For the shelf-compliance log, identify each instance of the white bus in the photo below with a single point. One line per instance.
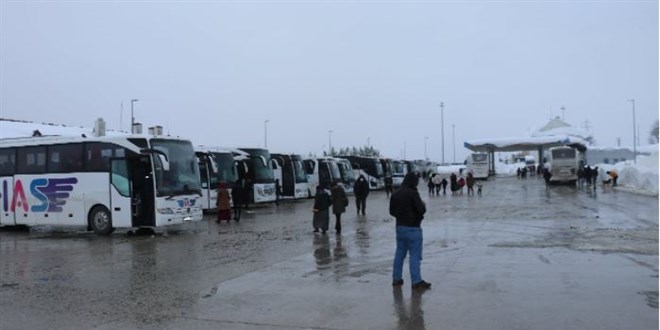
(288, 169)
(321, 172)
(347, 174)
(102, 183)
(477, 163)
(370, 167)
(563, 163)
(216, 165)
(399, 170)
(259, 176)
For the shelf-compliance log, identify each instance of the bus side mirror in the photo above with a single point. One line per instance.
(162, 157)
(163, 160)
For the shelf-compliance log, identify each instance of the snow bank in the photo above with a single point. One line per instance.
(639, 178)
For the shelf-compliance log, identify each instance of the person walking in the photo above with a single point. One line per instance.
(437, 180)
(322, 202)
(339, 203)
(222, 202)
(546, 176)
(389, 184)
(469, 181)
(453, 184)
(408, 208)
(361, 191)
(237, 198)
(444, 186)
(278, 191)
(431, 185)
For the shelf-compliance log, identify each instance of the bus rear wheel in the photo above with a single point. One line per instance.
(100, 220)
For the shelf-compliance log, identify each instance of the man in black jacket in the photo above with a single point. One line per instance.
(408, 208)
(361, 191)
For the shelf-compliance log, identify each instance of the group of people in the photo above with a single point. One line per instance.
(239, 198)
(435, 183)
(337, 199)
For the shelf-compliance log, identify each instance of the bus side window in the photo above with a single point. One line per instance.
(7, 162)
(31, 160)
(120, 177)
(65, 158)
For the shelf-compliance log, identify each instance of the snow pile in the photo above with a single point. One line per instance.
(503, 169)
(639, 178)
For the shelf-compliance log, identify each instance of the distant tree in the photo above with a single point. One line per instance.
(653, 138)
(365, 151)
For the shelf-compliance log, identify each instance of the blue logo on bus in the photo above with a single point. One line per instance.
(186, 202)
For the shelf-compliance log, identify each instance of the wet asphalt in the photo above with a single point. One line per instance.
(520, 256)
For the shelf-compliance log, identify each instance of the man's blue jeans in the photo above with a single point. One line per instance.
(408, 241)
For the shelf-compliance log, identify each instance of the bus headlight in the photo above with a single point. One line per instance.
(165, 210)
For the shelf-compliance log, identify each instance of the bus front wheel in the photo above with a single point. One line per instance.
(100, 220)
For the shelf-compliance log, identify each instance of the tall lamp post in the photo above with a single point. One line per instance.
(442, 129)
(425, 156)
(330, 143)
(453, 140)
(266, 133)
(634, 131)
(132, 117)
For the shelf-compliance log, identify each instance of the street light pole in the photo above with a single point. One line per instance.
(425, 156)
(453, 140)
(442, 126)
(634, 131)
(330, 143)
(266, 133)
(132, 116)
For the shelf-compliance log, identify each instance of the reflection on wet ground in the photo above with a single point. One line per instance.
(488, 255)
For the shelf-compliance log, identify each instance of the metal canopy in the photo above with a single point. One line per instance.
(538, 143)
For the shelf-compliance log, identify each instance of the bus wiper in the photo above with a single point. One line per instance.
(170, 197)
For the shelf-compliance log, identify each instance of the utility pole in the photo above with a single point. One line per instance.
(266, 133)
(330, 143)
(442, 129)
(426, 157)
(453, 140)
(634, 130)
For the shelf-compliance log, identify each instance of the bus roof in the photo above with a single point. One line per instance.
(56, 139)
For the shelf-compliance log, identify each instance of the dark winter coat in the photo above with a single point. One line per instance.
(322, 201)
(361, 187)
(339, 200)
(237, 194)
(406, 205)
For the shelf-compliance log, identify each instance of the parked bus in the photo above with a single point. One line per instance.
(347, 174)
(321, 172)
(563, 163)
(530, 164)
(259, 176)
(288, 169)
(399, 170)
(370, 167)
(477, 163)
(102, 183)
(216, 165)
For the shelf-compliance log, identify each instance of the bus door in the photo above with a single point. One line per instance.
(120, 193)
(143, 198)
(7, 216)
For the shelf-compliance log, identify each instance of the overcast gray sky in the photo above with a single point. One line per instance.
(214, 71)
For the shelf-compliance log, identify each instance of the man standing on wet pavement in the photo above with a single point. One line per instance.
(408, 208)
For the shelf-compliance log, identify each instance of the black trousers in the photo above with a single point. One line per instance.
(338, 222)
(361, 203)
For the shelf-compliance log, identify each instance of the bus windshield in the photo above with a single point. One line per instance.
(183, 175)
(225, 166)
(398, 168)
(346, 172)
(299, 172)
(563, 153)
(334, 171)
(376, 168)
(479, 158)
(262, 173)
